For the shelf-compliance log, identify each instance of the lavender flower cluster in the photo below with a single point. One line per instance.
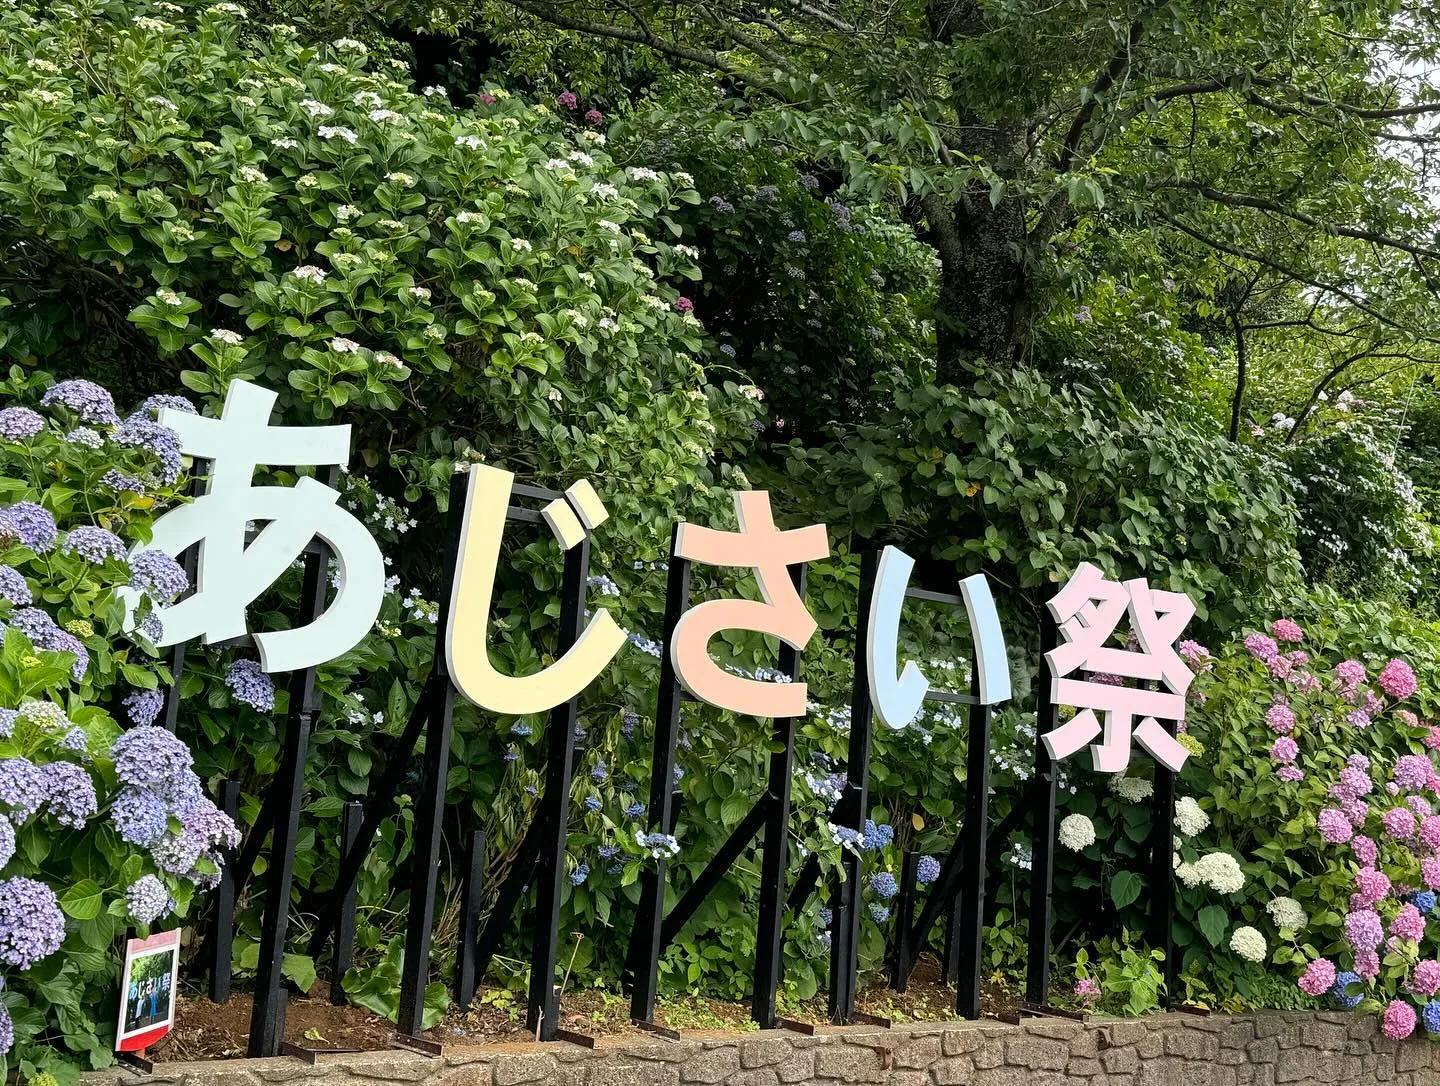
(31, 924)
(45, 635)
(250, 685)
(158, 783)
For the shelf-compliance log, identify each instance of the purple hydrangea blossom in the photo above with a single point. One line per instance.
(40, 628)
(7, 1030)
(927, 870)
(31, 524)
(87, 399)
(31, 924)
(143, 706)
(96, 545)
(121, 483)
(150, 628)
(153, 404)
(71, 792)
(139, 816)
(7, 722)
(157, 574)
(75, 741)
(7, 842)
(176, 853)
(250, 685)
(150, 757)
(19, 423)
(140, 431)
(22, 788)
(212, 826)
(85, 437)
(13, 587)
(148, 900)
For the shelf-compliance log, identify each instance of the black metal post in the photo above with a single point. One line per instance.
(430, 803)
(522, 870)
(222, 926)
(1162, 878)
(190, 562)
(950, 964)
(465, 978)
(377, 806)
(1042, 838)
(769, 936)
(850, 813)
(903, 952)
(543, 1013)
(267, 1018)
(351, 818)
(645, 941)
(970, 935)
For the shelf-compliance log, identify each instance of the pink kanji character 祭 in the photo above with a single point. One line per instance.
(760, 545)
(1087, 610)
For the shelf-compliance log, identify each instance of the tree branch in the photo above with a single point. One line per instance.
(1119, 63)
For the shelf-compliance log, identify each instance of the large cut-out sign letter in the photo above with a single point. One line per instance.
(1088, 609)
(466, 640)
(760, 545)
(897, 700)
(232, 574)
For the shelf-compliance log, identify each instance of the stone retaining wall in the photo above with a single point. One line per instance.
(1164, 1050)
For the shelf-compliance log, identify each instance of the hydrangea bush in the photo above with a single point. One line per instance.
(100, 828)
(1317, 771)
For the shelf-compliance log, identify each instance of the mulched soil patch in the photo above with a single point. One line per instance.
(208, 1031)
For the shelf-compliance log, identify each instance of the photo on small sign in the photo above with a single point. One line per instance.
(147, 989)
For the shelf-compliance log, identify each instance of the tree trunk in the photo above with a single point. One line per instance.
(983, 305)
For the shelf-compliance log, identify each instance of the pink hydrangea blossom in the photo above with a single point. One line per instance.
(1194, 653)
(593, 116)
(1304, 682)
(1412, 771)
(1353, 783)
(1356, 810)
(1432, 738)
(1430, 872)
(567, 99)
(488, 99)
(684, 305)
(1335, 828)
(1087, 989)
(1371, 703)
(1407, 718)
(1290, 773)
(1358, 718)
(1261, 647)
(1363, 930)
(1280, 718)
(1399, 823)
(1349, 674)
(1366, 850)
(1367, 963)
(1284, 749)
(1372, 886)
(1287, 629)
(1397, 679)
(1279, 667)
(1298, 657)
(1430, 832)
(1426, 978)
(1318, 978)
(1420, 805)
(1409, 924)
(1399, 1020)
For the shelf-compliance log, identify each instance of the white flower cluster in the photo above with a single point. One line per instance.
(1189, 818)
(1287, 913)
(1132, 789)
(1248, 943)
(1218, 870)
(1077, 832)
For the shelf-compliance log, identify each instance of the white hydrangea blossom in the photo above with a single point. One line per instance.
(1077, 832)
(1219, 871)
(1248, 943)
(1189, 818)
(1287, 913)
(1132, 789)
